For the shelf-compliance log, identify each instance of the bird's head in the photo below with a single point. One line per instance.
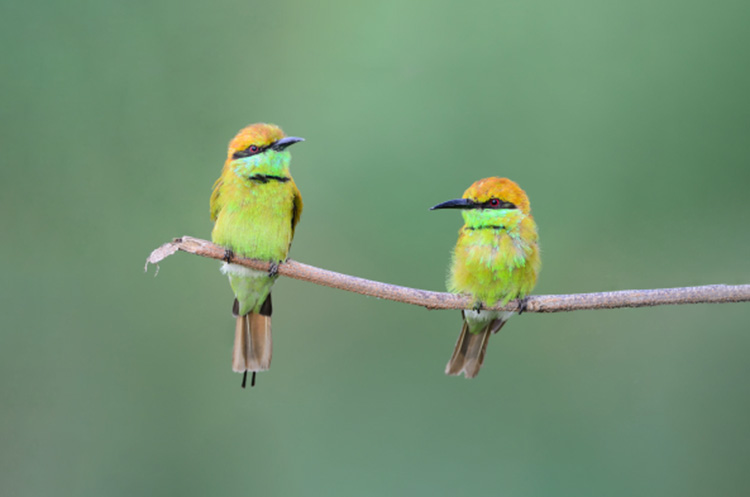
(491, 202)
(260, 151)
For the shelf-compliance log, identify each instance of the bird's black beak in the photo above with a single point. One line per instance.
(459, 203)
(280, 145)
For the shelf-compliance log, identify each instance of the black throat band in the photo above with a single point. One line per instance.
(492, 227)
(265, 178)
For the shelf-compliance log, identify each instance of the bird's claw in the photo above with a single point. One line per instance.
(522, 305)
(477, 307)
(273, 269)
(228, 255)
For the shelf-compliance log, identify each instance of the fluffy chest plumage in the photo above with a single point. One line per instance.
(491, 249)
(256, 219)
(493, 264)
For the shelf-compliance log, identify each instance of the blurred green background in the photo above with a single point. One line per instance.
(626, 122)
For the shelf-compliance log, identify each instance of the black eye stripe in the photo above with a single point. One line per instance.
(247, 152)
(501, 204)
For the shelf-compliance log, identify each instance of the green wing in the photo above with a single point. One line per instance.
(216, 200)
(296, 207)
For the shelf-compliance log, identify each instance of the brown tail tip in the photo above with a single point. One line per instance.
(468, 355)
(252, 343)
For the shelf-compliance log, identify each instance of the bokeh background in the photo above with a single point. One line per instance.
(626, 122)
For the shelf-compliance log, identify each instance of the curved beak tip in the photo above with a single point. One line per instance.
(285, 142)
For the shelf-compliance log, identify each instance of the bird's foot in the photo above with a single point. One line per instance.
(228, 255)
(273, 269)
(522, 305)
(477, 306)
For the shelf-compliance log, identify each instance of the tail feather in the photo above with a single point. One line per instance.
(468, 355)
(259, 347)
(241, 337)
(252, 341)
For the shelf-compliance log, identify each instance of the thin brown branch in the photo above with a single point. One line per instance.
(440, 300)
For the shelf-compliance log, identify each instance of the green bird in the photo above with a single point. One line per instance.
(496, 259)
(255, 206)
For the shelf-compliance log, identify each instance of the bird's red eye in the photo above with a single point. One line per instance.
(494, 202)
(247, 151)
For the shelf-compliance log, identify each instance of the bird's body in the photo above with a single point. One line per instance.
(496, 259)
(255, 206)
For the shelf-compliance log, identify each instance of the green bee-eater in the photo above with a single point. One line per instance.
(496, 259)
(255, 206)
